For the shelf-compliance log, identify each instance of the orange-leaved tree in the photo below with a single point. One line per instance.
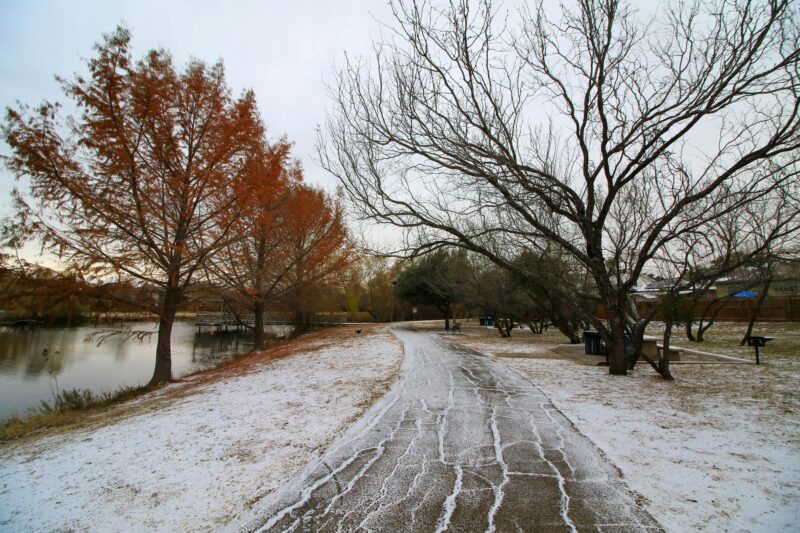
(134, 183)
(318, 250)
(289, 239)
(251, 268)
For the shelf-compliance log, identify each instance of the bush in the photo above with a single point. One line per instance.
(76, 399)
(68, 407)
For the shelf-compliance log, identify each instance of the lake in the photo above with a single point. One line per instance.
(34, 362)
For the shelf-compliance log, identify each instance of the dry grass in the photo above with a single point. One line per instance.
(147, 399)
(68, 416)
(472, 331)
(771, 384)
(724, 337)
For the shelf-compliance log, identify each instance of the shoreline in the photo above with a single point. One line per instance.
(203, 449)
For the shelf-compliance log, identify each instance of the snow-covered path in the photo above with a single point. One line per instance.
(461, 443)
(196, 458)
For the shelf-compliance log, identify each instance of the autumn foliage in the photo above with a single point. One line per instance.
(290, 242)
(161, 170)
(318, 252)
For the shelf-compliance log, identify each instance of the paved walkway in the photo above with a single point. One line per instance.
(460, 443)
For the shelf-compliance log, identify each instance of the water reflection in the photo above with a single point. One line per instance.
(210, 349)
(32, 359)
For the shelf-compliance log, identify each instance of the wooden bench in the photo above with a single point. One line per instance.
(674, 353)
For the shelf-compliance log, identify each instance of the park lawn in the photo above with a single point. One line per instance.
(724, 338)
(715, 450)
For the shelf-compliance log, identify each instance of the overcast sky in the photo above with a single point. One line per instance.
(285, 50)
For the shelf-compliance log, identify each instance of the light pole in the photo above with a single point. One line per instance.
(394, 307)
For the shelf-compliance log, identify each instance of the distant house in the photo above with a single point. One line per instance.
(778, 287)
(782, 304)
(650, 288)
(785, 283)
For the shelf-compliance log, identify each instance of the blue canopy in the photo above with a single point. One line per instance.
(745, 294)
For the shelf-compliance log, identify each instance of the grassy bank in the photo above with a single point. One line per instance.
(75, 407)
(205, 449)
(70, 408)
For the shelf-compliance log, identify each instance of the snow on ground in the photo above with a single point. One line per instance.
(507, 348)
(201, 460)
(716, 450)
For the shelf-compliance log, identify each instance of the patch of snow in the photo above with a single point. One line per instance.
(495, 348)
(203, 459)
(716, 450)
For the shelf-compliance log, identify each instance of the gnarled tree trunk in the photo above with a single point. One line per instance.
(169, 307)
(615, 341)
(663, 362)
(258, 326)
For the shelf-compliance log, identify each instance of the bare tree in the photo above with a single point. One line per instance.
(592, 133)
(740, 240)
(554, 298)
(371, 284)
(768, 276)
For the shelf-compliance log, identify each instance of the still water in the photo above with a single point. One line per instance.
(33, 362)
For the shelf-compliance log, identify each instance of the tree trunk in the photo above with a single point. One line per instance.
(447, 317)
(566, 323)
(536, 328)
(300, 323)
(754, 314)
(569, 331)
(614, 333)
(701, 330)
(710, 313)
(617, 359)
(258, 326)
(637, 340)
(539, 327)
(504, 326)
(689, 335)
(163, 369)
(663, 362)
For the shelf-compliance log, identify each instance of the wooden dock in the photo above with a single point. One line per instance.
(225, 321)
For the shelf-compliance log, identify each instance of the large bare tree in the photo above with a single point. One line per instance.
(585, 130)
